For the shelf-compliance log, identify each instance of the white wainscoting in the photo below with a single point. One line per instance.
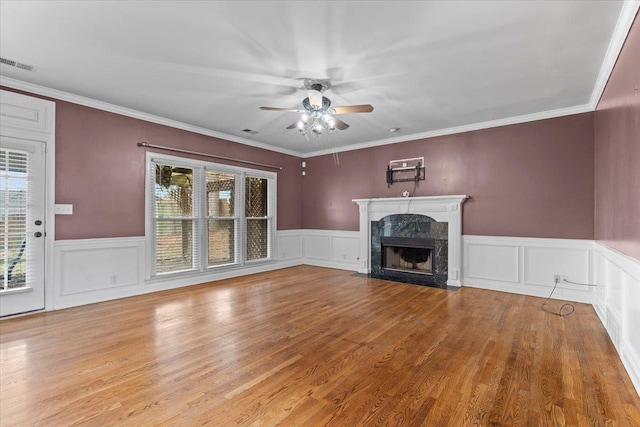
(93, 270)
(527, 266)
(617, 302)
(290, 245)
(332, 248)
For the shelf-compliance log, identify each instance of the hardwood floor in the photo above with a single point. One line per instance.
(309, 346)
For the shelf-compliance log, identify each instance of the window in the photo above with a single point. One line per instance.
(175, 223)
(257, 217)
(222, 222)
(205, 216)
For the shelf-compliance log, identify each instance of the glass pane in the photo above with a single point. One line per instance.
(174, 245)
(174, 191)
(221, 194)
(221, 241)
(255, 197)
(257, 238)
(14, 187)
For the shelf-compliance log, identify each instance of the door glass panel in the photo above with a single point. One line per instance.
(15, 186)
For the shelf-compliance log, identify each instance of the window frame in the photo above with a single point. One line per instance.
(201, 218)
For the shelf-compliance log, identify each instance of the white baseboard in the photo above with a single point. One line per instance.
(617, 302)
(527, 266)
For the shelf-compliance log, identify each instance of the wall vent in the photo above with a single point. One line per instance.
(251, 131)
(16, 64)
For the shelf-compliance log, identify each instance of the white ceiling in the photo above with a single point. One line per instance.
(425, 66)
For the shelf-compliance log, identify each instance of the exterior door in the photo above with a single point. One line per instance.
(22, 232)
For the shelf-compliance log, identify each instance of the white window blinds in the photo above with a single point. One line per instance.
(175, 221)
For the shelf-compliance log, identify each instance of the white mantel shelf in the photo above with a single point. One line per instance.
(440, 208)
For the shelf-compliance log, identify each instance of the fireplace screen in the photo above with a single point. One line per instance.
(408, 254)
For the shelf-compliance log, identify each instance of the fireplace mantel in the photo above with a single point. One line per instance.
(440, 208)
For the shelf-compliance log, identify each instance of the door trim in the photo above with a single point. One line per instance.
(28, 117)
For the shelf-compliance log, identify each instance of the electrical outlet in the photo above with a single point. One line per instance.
(557, 278)
(114, 279)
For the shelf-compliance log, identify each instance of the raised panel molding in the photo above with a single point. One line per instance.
(317, 246)
(332, 248)
(617, 303)
(290, 244)
(570, 262)
(91, 270)
(492, 262)
(345, 248)
(527, 266)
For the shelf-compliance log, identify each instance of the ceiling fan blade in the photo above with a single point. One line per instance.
(340, 124)
(291, 110)
(293, 125)
(366, 108)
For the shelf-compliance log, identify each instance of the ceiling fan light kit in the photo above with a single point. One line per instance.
(317, 113)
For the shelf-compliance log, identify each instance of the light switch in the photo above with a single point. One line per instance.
(61, 209)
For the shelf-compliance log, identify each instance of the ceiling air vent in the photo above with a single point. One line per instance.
(16, 64)
(251, 131)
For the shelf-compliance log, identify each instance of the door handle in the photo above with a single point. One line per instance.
(37, 234)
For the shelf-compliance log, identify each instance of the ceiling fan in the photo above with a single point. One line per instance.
(318, 114)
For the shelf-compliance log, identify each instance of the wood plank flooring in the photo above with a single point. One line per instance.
(309, 346)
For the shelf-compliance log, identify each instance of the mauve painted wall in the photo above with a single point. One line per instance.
(528, 180)
(617, 152)
(100, 170)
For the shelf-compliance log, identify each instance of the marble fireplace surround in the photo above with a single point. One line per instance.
(440, 208)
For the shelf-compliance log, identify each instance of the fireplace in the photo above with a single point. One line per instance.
(410, 248)
(432, 223)
(407, 254)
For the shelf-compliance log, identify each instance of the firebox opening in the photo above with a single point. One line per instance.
(408, 255)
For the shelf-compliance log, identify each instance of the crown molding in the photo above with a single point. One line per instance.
(578, 109)
(112, 108)
(620, 32)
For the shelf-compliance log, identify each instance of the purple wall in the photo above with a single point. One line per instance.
(100, 170)
(617, 153)
(528, 180)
